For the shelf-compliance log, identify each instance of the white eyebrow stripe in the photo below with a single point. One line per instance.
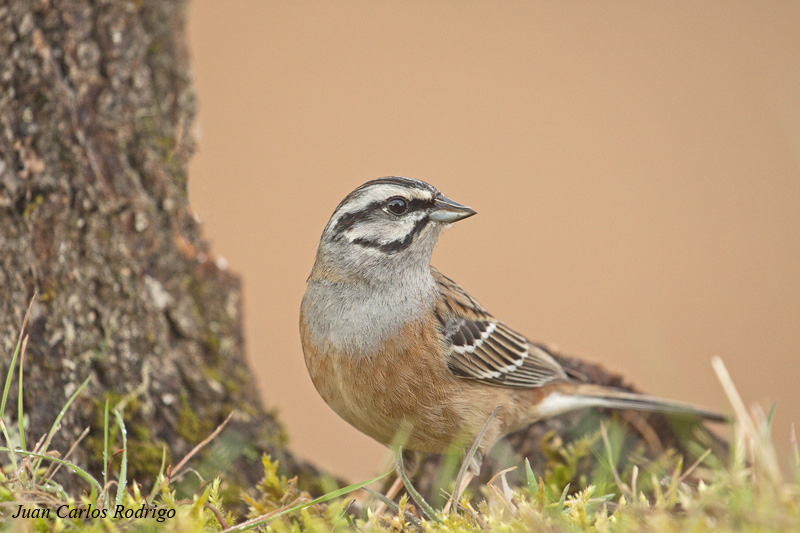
(379, 193)
(369, 197)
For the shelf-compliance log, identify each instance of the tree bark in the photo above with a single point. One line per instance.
(95, 119)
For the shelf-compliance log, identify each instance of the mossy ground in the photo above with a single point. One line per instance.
(658, 495)
(592, 483)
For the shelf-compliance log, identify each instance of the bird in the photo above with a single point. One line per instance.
(394, 346)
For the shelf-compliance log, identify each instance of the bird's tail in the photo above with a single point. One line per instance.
(577, 396)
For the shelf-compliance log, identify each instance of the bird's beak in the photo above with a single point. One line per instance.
(446, 210)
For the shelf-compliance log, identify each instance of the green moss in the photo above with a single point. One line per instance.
(33, 206)
(5, 494)
(212, 342)
(154, 48)
(231, 386)
(272, 490)
(145, 451)
(196, 291)
(145, 458)
(189, 425)
(211, 373)
(48, 291)
(166, 144)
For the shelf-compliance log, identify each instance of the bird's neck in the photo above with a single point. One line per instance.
(356, 315)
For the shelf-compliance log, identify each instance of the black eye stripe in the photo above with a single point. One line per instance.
(398, 245)
(348, 220)
(419, 203)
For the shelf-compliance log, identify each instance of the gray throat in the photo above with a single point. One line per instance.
(356, 318)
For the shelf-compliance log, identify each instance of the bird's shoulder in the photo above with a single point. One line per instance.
(481, 347)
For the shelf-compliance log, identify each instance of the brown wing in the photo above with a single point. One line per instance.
(481, 347)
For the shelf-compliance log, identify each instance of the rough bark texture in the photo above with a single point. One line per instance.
(95, 113)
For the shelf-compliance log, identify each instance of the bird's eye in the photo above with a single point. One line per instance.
(397, 205)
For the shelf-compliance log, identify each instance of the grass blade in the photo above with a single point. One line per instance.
(384, 500)
(20, 410)
(105, 454)
(14, 359)
(78, 470)
(123, 469)
(533, 485)
(9, 377)
(11, 368)
(394, 507)
(769, 415)
(612, 463)
(51, 472)
(261, 520)
(415, 495)
(57, 422)
(758, 444)
(468, 458)
(563, 499)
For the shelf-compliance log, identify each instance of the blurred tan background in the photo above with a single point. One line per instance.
(635, 168)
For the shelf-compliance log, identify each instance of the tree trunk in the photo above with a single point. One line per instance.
(95, 119)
